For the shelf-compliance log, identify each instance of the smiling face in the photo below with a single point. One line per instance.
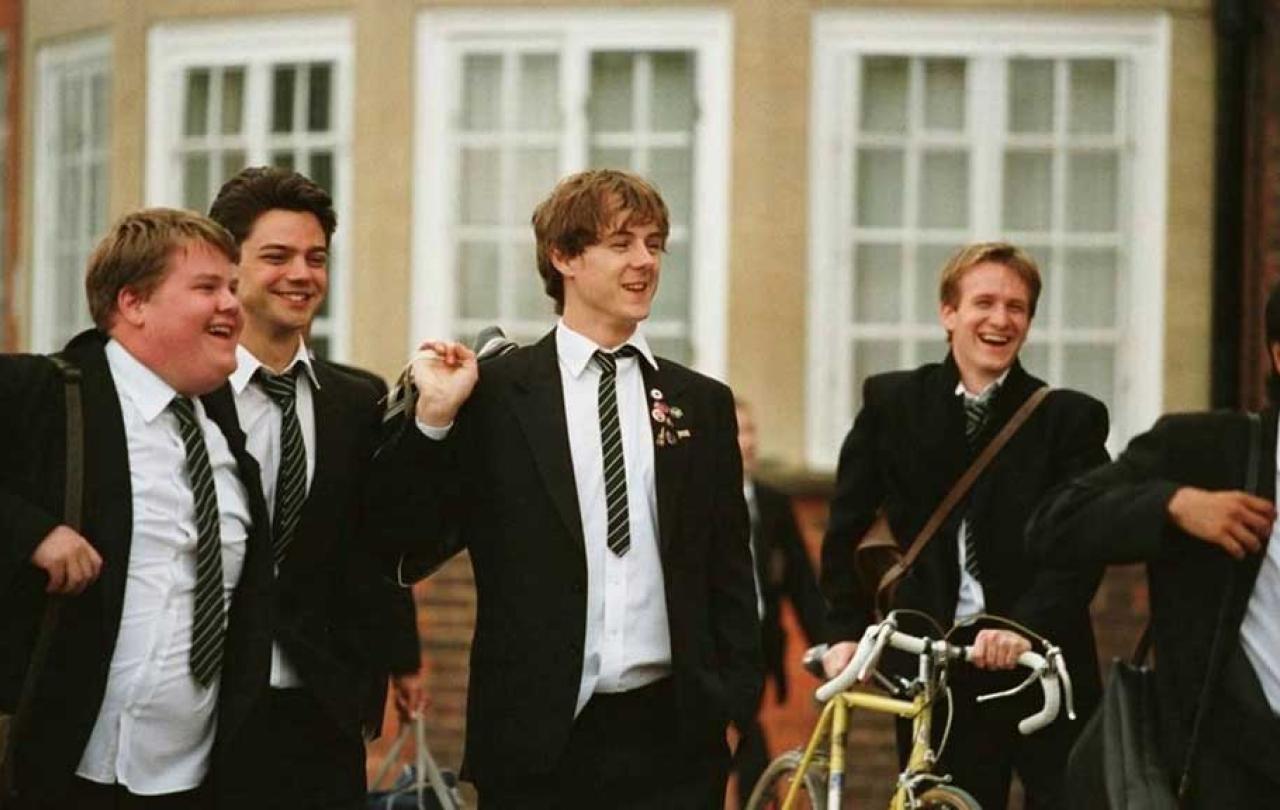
(609, 287)
(186, 329)
(988, 324)
(283, 274)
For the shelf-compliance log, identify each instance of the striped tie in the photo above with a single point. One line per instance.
(615, 467)
(208, 623)
(976, 411)
(291, 478)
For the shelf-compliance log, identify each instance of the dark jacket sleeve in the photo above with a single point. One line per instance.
(798, 581)
(26, 382)
(736, 622)
(1078, 444)
(1117, 513)
(858, 494)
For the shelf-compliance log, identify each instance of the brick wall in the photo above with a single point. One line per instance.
(446, 612)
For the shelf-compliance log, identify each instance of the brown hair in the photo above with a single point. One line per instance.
(580, 211)
(135, 254)
(258, 189)
(1002, 253)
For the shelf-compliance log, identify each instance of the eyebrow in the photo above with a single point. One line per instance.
(291, 248)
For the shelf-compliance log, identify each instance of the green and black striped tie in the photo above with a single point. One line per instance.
(291, 477)
(615, 466)
(208, 622)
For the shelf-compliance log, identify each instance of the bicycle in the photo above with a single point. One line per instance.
(814, 777)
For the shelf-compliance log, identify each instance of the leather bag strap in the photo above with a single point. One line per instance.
(961, 487)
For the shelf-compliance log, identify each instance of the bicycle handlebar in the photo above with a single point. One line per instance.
(878, 636)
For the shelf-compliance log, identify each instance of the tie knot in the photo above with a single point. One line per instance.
(608, 361)
(976, 410)
(282, 388)
(185, 410)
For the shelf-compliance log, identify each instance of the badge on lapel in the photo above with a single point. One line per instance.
(667, 419)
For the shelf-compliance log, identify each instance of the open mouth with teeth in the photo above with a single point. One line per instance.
(636, 286)
(995, 340)
(222, 330)
(296, 297)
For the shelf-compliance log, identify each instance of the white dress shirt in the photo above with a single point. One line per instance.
(155, 729)
(261, 419)
(628, 640)
(1260, 630)
(972, 600)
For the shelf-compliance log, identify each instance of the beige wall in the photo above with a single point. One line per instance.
(769, 189)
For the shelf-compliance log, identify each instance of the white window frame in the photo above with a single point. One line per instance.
(50, 61)
(574, 35)
(256, 43)
(1141, 40)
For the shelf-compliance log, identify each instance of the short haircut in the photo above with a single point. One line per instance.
(135, 254)
(258, 189)
(1002, 253)
(580, 211)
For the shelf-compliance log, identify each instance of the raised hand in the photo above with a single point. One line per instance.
(1235, 521)
(71, 563)
(838, 657)
(445, 374)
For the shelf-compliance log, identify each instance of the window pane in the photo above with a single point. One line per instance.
(1028, 188)
(1090, 281)
(99, 94)
(319, 98)
(98, 191)
(877, 283)
(932, 351)
(1093, 96)
(674, 295)
(671, 170)
(481, 91)
(1030, 95)
(930, 259)
(539, 92)
(320, 345)
(536, 173)
(532, 301)
(944, 190)
(232, 100)
(871, 357)
(232, 161)
(322, 170)
(283, 79)
(480, 186)
(1090, 369)
(1093, 180)
(69, 188)
(1035, 359)
(195, 182)
(673, 108)
(678, 349)
(610, 158)
(197, 106)
(478, 280)
(884, 93)
(944, 96)
(283, 159)
(610, 106)
(879, 192)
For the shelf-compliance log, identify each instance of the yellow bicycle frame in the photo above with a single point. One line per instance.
(836, 717)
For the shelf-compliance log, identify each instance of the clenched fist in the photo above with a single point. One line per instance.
(71, 563)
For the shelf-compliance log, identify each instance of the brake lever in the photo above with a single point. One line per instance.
(1030, 679)
(1054, 656)
(882, 639)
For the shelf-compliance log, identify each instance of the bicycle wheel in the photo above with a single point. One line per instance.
(946, 797)
(776, 780)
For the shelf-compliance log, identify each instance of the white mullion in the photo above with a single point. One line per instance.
(301, 92)
(845, 70)
(508, 93)
(1058, 220)
(84, 156)
(913, 167)
(986, 122)
(575, 88)
(641, 90)
(257, 119)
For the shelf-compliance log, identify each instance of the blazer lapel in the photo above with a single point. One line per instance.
(670, 461)
(109, 496)
(538, 400)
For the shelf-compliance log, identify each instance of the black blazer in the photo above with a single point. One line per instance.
(502, 486)
(1119, 514)
(906, 449)
(32, 431)
(340, 622)
(783, 570)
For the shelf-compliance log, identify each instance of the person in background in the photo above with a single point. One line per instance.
(914, 437)
(782, 570)
(336, 626)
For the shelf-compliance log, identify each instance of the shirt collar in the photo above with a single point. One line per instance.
(997, 382)
(575, 349)
(149, 393)
(247, 365)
